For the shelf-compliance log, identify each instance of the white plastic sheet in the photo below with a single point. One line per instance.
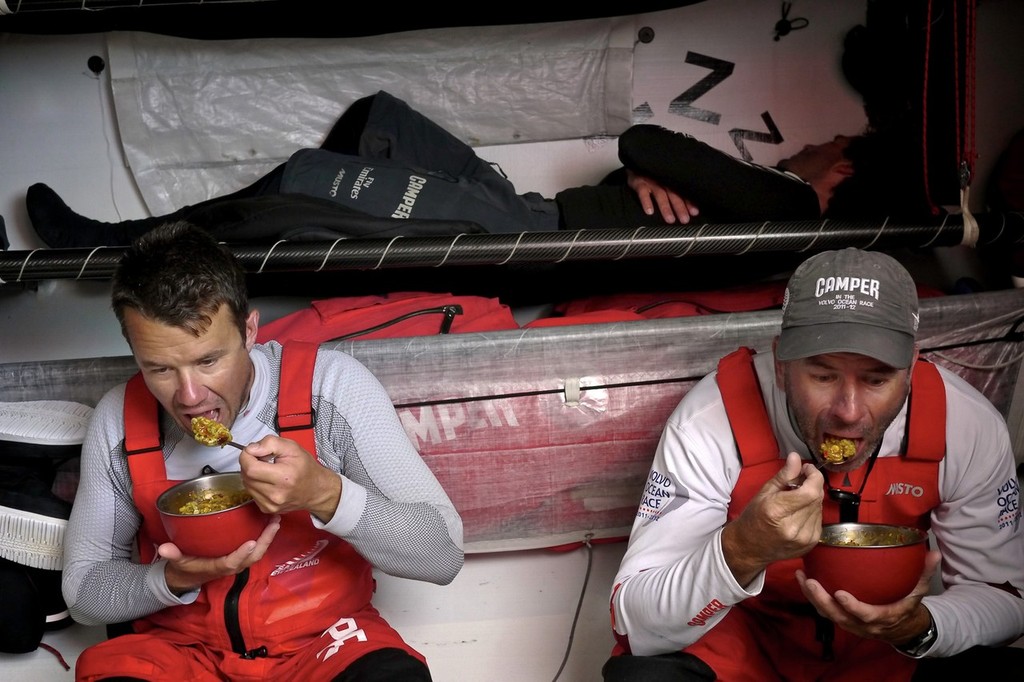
(202, 118)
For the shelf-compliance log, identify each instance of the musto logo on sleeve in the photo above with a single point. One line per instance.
(661, 494)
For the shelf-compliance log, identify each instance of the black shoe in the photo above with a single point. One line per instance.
(32, 605)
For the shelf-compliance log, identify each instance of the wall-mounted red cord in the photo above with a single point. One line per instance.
(966, 143)
(964, 99)
(924, 107)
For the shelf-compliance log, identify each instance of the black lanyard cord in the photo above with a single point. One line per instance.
(849, 502)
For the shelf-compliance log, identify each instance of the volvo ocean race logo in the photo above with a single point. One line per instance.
(662, 494)
(1008, 497)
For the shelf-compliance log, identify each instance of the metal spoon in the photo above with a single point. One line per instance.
(269, 459)
(797, 482)
(201, 428)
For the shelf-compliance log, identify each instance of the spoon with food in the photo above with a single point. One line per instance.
(834, 451)
(212, 433)
(837, 450)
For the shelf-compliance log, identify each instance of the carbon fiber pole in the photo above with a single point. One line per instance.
(690, 241)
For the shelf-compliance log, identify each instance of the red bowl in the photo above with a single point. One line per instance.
(876, 563)
(214, 533)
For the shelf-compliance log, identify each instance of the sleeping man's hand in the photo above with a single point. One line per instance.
(671, 206)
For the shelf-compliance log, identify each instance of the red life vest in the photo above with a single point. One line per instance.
(901, 490)
(308, 578)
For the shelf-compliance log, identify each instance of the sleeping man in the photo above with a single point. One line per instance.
(386, 170)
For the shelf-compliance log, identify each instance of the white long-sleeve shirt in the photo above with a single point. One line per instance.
(674, 565)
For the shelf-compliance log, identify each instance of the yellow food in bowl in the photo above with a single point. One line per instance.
(869, 536)
(207, 501)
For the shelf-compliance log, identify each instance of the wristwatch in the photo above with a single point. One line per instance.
(920, 645)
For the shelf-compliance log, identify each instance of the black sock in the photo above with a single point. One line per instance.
(60, 227)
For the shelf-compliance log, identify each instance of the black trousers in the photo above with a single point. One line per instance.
(683, 667)
(382, 665)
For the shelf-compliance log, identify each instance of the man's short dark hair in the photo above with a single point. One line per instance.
(179, 275)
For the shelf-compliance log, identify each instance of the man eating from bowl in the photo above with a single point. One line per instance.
(712, 583)
(327, 457)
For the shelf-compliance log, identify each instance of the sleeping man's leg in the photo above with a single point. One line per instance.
(60, 227)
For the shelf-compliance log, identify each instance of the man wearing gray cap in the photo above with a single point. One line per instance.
(842, 422)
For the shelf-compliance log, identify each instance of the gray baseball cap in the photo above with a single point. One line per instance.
(850, 301)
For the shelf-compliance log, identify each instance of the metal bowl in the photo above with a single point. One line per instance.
(876, 563)
(213, 533)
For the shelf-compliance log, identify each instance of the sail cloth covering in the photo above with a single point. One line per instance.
(544, 436)
(191, 131)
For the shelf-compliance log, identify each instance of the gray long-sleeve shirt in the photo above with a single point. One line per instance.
(392, 510)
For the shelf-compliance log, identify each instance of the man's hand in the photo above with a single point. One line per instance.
(186, 573)
(282, 477)
(781, 522)
(895, 623)
(650, 193)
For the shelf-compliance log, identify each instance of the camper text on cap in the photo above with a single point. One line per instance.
(850, 301)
